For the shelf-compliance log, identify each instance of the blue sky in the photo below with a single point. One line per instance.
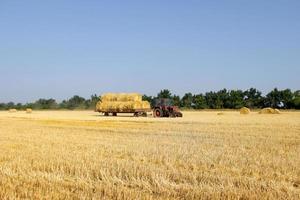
(60, 48)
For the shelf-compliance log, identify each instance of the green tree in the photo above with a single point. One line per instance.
(45, 104)
(76, 102)
(176, 100)
(286, 98)
(199, 101)
(296, 100)
(164, 94)
(253, 98)
(235, 99)
(273, 99)
(187, 100)
(91, 103)
(212, 100)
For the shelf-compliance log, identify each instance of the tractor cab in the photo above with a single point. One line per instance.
(165, 108)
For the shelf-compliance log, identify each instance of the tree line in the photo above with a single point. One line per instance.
(223, 99)
(233, 99)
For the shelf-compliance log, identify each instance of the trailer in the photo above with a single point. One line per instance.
(112, 104)
(136, 112)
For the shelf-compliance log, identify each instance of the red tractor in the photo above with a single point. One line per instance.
(165, 108)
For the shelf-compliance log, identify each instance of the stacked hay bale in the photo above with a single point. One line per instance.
(28, 110)
(245, 111)
(122, 102)
(269, 111)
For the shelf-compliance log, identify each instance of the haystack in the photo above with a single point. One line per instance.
(245, 111)
(121, 97)
(12, 110)
(28, 110)
(220, 113)
(276, 111)
(269, 111)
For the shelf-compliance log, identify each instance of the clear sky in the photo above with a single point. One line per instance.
(59, 48)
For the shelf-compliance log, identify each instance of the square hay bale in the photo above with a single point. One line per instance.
(28, 110)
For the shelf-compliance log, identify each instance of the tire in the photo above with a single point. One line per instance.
(179, 114)
(106, 114)
(157, 112)
(114, 114)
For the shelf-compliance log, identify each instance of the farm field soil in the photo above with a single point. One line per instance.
(82, 155)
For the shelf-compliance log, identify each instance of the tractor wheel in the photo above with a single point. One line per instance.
(114, 114)
(179, 114)
(106, 114)
(157, 113)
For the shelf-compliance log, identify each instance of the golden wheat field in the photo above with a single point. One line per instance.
(81, 155)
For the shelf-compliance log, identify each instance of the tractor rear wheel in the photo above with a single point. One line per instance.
(179, 114)
(157, 112)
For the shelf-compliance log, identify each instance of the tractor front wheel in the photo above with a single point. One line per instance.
(157, 113)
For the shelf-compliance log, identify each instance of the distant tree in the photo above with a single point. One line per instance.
(91, 103)
(279, 99)
(273, 99)
(45, 104)
(235, 99)
(3, 106)
(253, 98)
(199, 101)
(76, 102)
(286, 98)
(176, 100)
(296, 100)
(10, 105)
(187, 100)
(212, 100)
(19, 106)
(63, 105)
(222, 98)
(164, 94)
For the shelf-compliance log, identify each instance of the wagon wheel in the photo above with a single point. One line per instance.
(157, 113)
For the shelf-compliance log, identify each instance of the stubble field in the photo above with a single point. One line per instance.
(81, 155)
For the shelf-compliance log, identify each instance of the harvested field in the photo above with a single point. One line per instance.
(81, 155)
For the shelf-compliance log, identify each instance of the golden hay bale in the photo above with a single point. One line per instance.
(269, 111)
(12, 110)
(276, 111)
(121, 106)
(146, 105)
(245, 111)
(28, 110)
(121, 97)
(220, 113)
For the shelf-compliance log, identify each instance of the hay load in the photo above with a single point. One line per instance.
(121, 97)
(269, 111)
(122, 103)
(245, 111)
